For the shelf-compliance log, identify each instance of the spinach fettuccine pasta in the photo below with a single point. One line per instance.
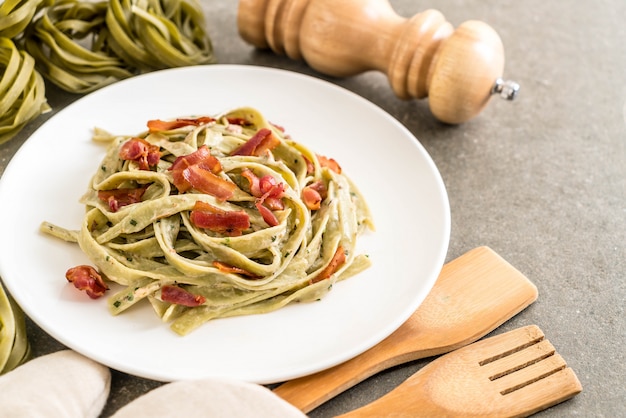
(215, 216)
(81, 46)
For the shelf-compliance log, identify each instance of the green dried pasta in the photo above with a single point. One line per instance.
(15, 15)
(54, 40)
(22, 90)
(153, 34)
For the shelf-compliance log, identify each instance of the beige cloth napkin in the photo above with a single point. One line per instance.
(67, 385)
(209, 398)
(62, 384)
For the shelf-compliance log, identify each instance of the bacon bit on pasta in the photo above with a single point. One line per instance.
(140, 151)
(329, 163)
(239, 121)
(202, 156)
(269, 194)
(255, 182)
(260, 142)
(311, 198)
(198, 170)
(310, 168)
(270, 187)
(338, 259)
(231, 223)
(263, 187)
(267, 214)
(206, 182)
(87, 278)
(157, 125)
(313, 194)
(227, 268)
(180, 296)
(274, 203)
(118, 198)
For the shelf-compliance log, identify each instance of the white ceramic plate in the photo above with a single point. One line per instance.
(401, 183)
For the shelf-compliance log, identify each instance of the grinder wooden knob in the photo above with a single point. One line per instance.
(423, 56)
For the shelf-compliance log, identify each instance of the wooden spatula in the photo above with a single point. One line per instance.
(514, 374)
(473, 295)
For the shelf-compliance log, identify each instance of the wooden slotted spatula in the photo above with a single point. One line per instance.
(473, 295)
(514, 374)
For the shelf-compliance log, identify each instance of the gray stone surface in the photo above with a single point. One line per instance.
(541, 180)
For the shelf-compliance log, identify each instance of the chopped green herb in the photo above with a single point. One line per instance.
(117, 303)
(133, 222)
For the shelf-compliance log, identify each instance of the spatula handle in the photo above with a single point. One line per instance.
(422, 56)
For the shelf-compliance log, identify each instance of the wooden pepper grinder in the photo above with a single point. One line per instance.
(459, 70)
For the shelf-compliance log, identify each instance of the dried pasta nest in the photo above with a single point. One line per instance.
(14, 345)
(70, 44)
(157, 34)
(16, 14)
(82, 46)
(22, 90)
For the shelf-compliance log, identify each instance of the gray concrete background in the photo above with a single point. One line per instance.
(541, 180)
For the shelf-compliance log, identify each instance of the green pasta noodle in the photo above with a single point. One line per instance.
(155, 34)
(301, 220)
(22, 90)
(70, 44)
(82, 46)
(15, 15)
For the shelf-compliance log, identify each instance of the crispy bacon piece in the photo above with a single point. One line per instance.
(157, 125)
(269, 195)
(329, 163)
(324, 162)
(206, 182)
(198, 171)
(267, 214)
(311, 198)
(141, 151)
(180, 296)
(202, 157)
(313, 194)
(271, 199)
(255, 182)
(266, 186)
(88, 279)
(231, 223)
(310, 168)
(227, 268)
(239, 121)
(260, 142)
(338, 259)
(274, 203)
(270, 187)
(118, 198)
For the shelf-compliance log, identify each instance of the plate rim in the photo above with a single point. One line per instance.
(437, 265)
